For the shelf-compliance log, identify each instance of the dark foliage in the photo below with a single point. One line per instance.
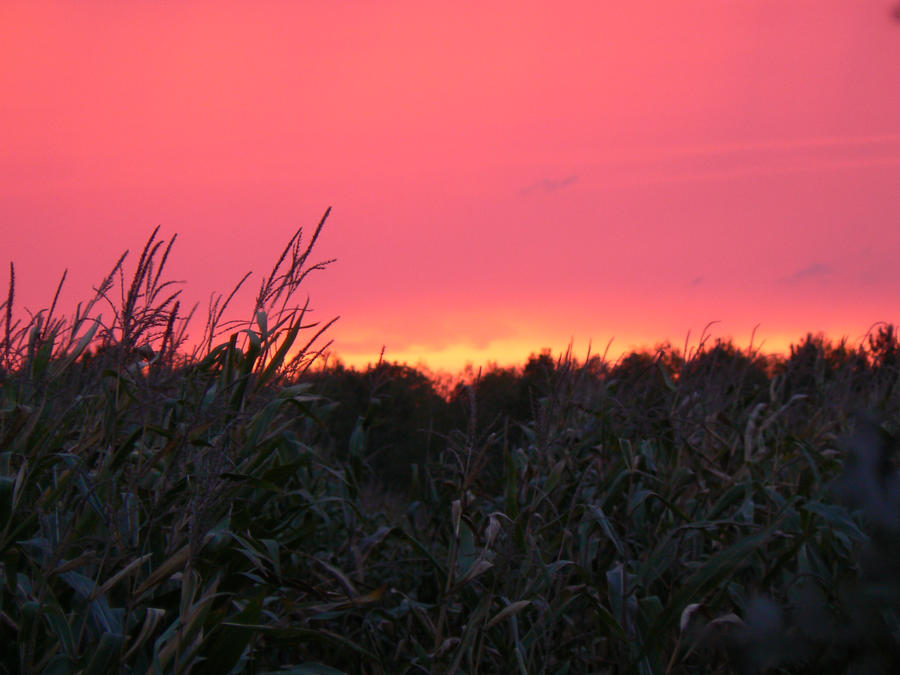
(232, 510)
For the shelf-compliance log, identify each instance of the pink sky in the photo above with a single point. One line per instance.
(505, 176)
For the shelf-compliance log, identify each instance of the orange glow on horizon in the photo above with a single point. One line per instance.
(455, 360)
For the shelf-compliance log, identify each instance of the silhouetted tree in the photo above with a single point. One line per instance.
(397, 409)
(642, 389)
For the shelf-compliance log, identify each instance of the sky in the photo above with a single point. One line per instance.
(503, 176)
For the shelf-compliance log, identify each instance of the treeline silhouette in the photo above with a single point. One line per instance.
(395, 418)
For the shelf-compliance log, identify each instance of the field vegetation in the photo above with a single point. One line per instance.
(228, 508)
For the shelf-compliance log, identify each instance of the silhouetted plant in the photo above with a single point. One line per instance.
(838, 611)
(121, 465)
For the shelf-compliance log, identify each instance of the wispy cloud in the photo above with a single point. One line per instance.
(817, 271)
(550, 185)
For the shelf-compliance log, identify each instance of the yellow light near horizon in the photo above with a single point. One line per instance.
(455, 359)
(452, 358)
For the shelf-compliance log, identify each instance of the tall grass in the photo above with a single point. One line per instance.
(128, 468)
(167, 510)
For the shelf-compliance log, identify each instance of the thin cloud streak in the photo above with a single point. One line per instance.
(725, 174)
(816, 271)
(755, 146)
(550, 185)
